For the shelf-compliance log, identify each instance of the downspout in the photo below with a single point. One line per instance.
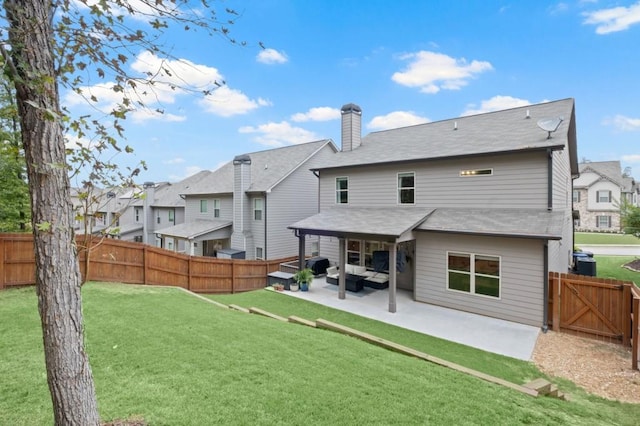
(545, 297)
(549, 179)
(264, 254)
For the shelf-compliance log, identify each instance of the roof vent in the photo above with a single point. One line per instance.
(528, 115)
(455, 125)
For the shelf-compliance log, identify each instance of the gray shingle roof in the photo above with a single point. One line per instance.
(494, 132)
(608, 169)
(380, 222)
(392, 222)
(267, 169)
(527, 223)
(169, 194)
(194, 229)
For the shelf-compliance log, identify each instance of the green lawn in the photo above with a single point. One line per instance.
(172, 359)
(604, 238)
(613, 267)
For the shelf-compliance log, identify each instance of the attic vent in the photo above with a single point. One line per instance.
(477, 172)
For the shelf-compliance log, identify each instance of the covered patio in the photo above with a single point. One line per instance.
(389, 225)
(490, 334)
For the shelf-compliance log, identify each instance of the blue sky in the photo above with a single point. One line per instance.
(403, 62)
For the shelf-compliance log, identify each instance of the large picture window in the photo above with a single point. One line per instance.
(473, 273)
(342, 190)
(406, 188)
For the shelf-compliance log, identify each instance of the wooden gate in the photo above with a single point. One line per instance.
(594, 307)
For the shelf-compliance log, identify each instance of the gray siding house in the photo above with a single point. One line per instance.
(473, 211)
(244, 207)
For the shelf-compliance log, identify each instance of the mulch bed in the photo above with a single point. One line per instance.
(634, 265)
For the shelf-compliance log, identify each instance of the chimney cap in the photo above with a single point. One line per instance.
(242, 159)
(351, 108)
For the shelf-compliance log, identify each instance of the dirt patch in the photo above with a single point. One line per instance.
(603, 369)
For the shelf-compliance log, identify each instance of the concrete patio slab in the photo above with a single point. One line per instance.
(489, 334)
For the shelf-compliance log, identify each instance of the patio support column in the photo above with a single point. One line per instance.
(342, 250)
(301, 255)
(393, 254)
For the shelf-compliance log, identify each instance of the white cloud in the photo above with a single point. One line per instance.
(396, 119)
(622, 123)
(272, 56)
(279, 134)
(188, 171)
(177, 160)
(226, 102)
(432, 71)
(317, 114)
(558, 8)
(142, 115)
(632, 158)
(613, 19)
(496, 103)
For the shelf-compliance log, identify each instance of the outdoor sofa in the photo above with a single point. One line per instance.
(357, 277)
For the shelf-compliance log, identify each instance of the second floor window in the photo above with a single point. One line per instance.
(203, 206)
(576, 196)
(257, 208)
(216, 208)
(406, 188)
(172, 217)
(138, 214)
(603, 196)
(342, 190)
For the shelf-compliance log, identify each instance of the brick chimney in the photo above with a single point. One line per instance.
(351, 127)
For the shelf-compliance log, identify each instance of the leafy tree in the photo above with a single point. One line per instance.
(630, 218)
(14, 192)
(71, 43)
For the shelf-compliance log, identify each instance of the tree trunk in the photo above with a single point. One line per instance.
(57, 269)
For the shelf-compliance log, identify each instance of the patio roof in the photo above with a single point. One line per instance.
(522, 223)
(195, 229)
(376, 223)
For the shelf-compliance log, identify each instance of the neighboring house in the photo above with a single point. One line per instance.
(597, 195)
(473, 211)
(243, 209)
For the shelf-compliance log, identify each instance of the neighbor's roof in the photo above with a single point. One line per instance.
(610, 170)
(268, 168)
(525, 223)
(495, 132)
(169, 195)
(386, 223)
(194, 229)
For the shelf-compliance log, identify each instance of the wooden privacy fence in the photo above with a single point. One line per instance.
(604, 309)
(135, 263)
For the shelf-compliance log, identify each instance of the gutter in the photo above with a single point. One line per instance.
(545, 297)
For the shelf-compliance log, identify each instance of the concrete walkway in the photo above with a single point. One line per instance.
(612, 250)
(489, 334)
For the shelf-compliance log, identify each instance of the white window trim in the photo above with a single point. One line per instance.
(335, 188)
(398, 198)
(261, 257)
(472, 273)
(204, 203)
(610, 196)
(256, 209)
(216, 207)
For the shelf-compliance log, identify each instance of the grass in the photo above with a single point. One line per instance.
(604, 238)
(173, 359)
(613, 267)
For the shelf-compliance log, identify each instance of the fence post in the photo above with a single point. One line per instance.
(2, 260)
(144, 264)
(627, 311)
(189, 268)
(636, 329)
(233, 277)
(557, 282)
